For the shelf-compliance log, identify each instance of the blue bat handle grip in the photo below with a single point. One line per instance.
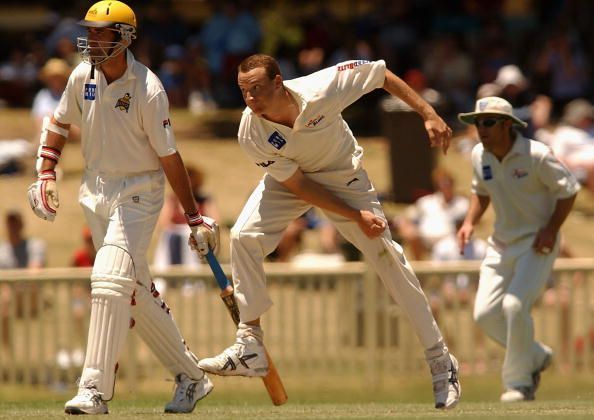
(218, 272)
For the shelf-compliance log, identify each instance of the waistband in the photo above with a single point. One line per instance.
(116, 175)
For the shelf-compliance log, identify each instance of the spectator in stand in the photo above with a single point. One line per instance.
(17, 76)
(514, 88)
(573, 141)
(54, 76)
(446, 249)
(18, 251)
(173, 75)
(433, 216)
(84, 256)
(450, 70)
(292, 238)
(172, 248)
(564, 63)
(229, 35)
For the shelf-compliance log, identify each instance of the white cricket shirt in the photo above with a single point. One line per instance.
(320, 139)
(524, 187)
(125, 126)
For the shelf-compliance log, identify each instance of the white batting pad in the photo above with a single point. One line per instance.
(112, 287)
(157, 328)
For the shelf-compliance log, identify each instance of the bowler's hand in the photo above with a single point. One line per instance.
(464, 234)
(371, 225)
(440, 134)
(545, 239)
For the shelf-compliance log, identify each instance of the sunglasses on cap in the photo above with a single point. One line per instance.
(487, 122)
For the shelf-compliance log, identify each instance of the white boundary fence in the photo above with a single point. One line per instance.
(326, 322)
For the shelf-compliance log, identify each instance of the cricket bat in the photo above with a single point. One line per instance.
(272, 380)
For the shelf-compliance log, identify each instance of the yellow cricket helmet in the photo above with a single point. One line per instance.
(107, 13)
(115, 16)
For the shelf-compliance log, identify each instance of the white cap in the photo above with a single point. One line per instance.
(510, 75)
(491, 105)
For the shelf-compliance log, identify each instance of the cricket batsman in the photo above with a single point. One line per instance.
(129, 148)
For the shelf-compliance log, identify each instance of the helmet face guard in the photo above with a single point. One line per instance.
(96, 52)
(114, 16)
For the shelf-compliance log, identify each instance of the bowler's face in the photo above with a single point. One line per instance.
(257, 90)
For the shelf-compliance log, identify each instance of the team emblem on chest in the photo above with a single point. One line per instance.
(123, 104)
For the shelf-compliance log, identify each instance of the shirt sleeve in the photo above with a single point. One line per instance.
(477, 186)
(558, 179)
(157, 125)
(69, 110)
(356, 78)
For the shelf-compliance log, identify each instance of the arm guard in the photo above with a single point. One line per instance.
(44, 151)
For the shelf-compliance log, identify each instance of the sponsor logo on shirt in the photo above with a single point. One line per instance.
(265, 164)
(314, 121)
(123, 104)
(487, 172)
(519, 173)
(277, 140)
(350, 66)
(166, 123)
(90, 89)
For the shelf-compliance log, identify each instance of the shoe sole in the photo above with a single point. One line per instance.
(194, 406)
(77, 411)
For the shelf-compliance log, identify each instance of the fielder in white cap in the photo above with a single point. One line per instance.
(532, 194)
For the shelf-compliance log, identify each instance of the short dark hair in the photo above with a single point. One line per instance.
(260, 60)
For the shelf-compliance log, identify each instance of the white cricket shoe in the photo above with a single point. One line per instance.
(246, 357)
(87, 401)
(446, 387)
(521, 393)
(187, 393)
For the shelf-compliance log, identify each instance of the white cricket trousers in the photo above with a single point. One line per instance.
(123, 211)
(270, 209)
(511, 278)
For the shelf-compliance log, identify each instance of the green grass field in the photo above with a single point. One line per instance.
(558, 399)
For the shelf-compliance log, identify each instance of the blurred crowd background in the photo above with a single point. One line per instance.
(450, 46)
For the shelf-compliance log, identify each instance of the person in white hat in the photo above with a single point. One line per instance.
(532, 194)
(573, 141)
(533, 108)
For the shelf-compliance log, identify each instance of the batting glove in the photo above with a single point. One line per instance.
(43, 195)
(205, 234)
